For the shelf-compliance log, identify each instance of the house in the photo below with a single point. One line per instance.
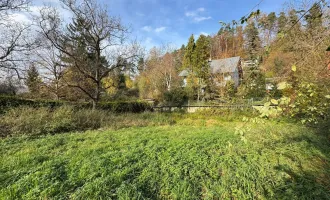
(221, 70)
(227, 69)
(185, 73)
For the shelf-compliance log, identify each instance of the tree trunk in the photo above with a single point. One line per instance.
(96, 98)
(94, 104)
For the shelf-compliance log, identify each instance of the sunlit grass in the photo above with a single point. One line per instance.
(194, 158)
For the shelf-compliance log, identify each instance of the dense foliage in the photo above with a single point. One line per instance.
(177, 97)
(7, 102)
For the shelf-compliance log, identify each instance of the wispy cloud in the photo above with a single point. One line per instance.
(150, 29)
(201, 9)
(204, 33)
(191, 14)
(147, 28)
(140, 14)
(197, 15)
(160, 29)
(199, 19)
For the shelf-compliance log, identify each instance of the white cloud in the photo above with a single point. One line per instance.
(199, 19)
(160, 29)
(196, 15)
(204, 33)
(201, 9)
(140, 14)
(150, 29)
(190, 14)
(147, 28)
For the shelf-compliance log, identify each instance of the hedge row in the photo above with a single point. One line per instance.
(118, 107)
(121, 107)
(11, 101)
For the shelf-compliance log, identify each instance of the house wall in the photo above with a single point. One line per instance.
(236, 77)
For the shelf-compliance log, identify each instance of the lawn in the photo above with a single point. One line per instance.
(190, 159)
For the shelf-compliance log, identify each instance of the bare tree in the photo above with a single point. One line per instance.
(14, 39)
(101, 34)
(12, 5)
(48, 58)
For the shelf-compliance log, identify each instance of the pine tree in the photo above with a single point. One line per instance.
(141, 65)
(281, 22)
(85, 41)
(85, 63)
(200, 63)
(294, 23)
(314, 18)
(188, 56)
(201, 56)
(271, 19)
(252, 40)
(33, 80)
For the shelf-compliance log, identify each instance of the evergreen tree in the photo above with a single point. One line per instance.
(201, 56)
(281, 22)
(200, 63)
(314, 17)
(188, 56)
(141, 65)
(85, 41)
(85, 63)
(271, 19)
(178, 57)
(294, 21)
(252, 40)
(33, 80)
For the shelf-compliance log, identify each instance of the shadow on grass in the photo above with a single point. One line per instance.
(307, 183)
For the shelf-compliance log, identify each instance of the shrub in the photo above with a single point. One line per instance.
(62, 120)
(12, 101)
(87, 119)
(307, 103)
(230, 89)
(176, 97)
(31, 121)
(311, 105)
(26, 120)
(7, 102)
(120, 107)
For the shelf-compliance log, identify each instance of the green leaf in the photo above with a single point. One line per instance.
(327, 96)
(267, 104)
(294, 68)
(283, 85)
(274, 101)
(280, 35)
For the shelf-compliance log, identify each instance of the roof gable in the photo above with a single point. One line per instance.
(224, 65)
(184, 73)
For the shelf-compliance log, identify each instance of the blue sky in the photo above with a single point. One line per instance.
(157, 22)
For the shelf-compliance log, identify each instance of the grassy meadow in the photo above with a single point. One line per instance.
(170, 156)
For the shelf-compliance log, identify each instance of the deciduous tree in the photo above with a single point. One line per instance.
(86, 42)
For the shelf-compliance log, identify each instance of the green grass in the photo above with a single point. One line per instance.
(195, 158)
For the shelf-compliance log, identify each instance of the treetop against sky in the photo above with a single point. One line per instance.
(156, 22)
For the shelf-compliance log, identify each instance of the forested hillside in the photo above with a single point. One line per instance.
(272, 42)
